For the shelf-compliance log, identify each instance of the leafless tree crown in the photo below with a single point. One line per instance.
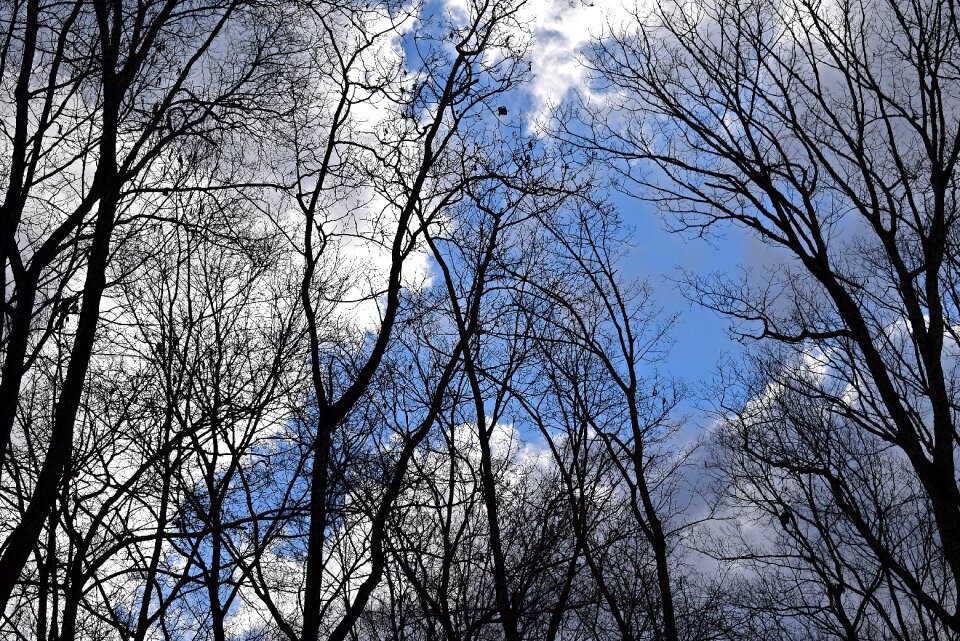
(310, 330)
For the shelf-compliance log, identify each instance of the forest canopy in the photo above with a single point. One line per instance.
(322, 320)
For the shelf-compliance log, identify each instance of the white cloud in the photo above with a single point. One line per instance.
(561, 32)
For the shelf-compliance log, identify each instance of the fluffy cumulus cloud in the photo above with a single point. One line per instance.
(562, 29)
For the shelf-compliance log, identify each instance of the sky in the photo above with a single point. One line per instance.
(561, 29)
(700, 336)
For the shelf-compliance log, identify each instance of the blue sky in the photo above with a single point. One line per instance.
(700, 337)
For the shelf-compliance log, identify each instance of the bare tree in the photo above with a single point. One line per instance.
(93, 132)
(830, 133)
(191, 376)
(609, 418)
(306, 334)
(402, 171)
